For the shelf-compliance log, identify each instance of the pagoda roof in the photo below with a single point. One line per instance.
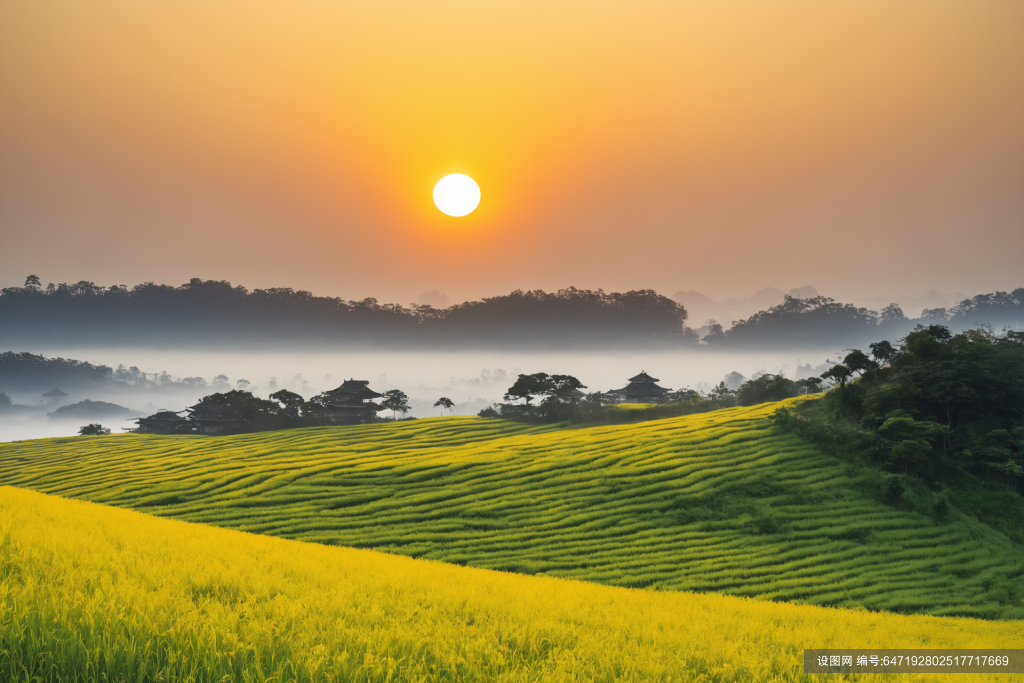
(55, 392)
(644, 377)
(352, 387)
(640, 389)
(165, 415)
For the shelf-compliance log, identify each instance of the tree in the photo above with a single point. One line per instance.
(858, 361)
(94, 429)
(564, 388)
(811, 385)
(680, 395)
(243, 384)
(912, 439)
(721, 392)
(258, 413)
(716, 334)
(528, 386)
(32, 282)
(5, 401)
(445, 403)
(767, 387)
(839, 374)
(197, 382)
(395, 401)
(291, 401)
(883, 352)
(892, 313)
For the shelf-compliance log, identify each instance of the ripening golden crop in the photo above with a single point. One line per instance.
(89, 592)
(715, 502)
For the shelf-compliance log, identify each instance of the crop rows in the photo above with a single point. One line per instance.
(93, 593)
(716, 502)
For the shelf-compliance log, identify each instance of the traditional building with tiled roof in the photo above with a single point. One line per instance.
(641, 389)
(351, 402)
(161, 422)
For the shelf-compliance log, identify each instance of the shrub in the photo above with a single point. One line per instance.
(893, 489)
(93, 429)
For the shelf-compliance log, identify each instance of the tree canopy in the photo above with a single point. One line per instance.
(395, 401)
(205, 312)
(938, 402)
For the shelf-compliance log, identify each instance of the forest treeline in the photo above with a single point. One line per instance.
(210, 312)
(29, 372)
(216, 313)
(822, 321)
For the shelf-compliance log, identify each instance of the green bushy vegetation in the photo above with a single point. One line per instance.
(942, 414)
(714, 502)
(559, 399)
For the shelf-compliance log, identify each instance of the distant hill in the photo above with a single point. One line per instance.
(89, 410)
(701, 308)
(716, 502)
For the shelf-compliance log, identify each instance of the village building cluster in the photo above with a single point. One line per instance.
(350, 403)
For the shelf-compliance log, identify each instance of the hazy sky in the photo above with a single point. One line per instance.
(861, 146)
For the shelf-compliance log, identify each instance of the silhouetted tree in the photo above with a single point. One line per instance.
(526, 387)
(839, 374)
(891, 313)
(857, 361)
(720, 390)
(293, 403)
(395, 401)
(445, 403)
(94, 429)
(716, 334)
(883, 352)
(811, 385)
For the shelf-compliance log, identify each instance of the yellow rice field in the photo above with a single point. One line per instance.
(89, 592)
(715, 502)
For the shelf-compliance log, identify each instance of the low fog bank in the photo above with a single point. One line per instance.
(473, 380)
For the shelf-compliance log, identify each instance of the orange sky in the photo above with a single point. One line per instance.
(720, 145)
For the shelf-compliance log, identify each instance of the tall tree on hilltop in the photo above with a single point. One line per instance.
(396, 401)
(445, 403)
(528, 386)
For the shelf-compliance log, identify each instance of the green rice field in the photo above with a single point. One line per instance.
(716, 502)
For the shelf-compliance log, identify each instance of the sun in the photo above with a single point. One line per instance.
(456, 195)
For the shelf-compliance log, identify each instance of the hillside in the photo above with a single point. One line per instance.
(716, 502)
(95, 593)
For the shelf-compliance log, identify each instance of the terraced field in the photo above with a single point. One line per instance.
(93, 593)
(716, 502)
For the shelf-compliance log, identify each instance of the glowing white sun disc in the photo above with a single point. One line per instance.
(456, 194)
